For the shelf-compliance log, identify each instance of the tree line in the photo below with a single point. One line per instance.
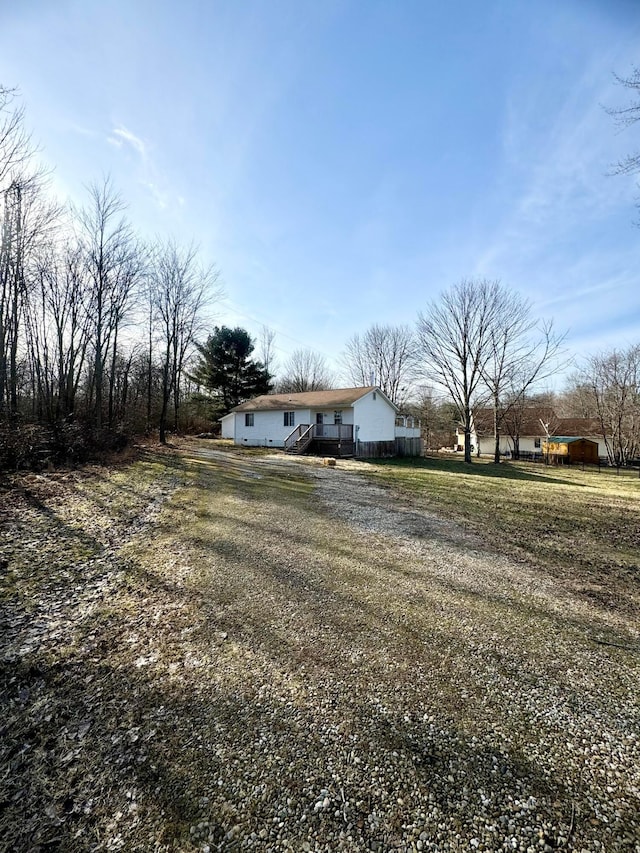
(96, 325)
(103, 333)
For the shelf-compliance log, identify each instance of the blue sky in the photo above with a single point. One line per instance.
(344, 162)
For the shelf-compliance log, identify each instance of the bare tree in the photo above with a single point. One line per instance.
(114, 264)
(181, 289)
(385, 356)
(15, 143)
(625, 117)
(521, 352)
(58, 328)
(437, 415)
(526, 414)
(127, 285)
(266, 349)
(576, 399)
(305, 370)
(21, 222)
(454, 336)
(613, 383)
(29, 218)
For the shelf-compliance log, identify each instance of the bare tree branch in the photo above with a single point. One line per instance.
(305, 370)
(454, 336)
(385, 356)
(611, 383)
(180, 290)
(624, 117)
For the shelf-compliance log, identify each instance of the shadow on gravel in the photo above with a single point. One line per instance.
(231, 710)
(97, 750)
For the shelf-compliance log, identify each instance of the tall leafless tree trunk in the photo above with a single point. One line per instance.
(454, 339)
(15, 152)
(29, 219)
(266, 349)
(181, 290)
(114, 264)
(521, 352)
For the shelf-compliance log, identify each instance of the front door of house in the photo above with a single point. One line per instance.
(319, 422)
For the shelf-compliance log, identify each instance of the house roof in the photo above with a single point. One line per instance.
(525, 421)
(567, 439)
(579, 426)
(308, 399)
(530, 420)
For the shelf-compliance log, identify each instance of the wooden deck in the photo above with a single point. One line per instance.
(321, 439)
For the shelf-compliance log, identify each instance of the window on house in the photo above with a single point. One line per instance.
(248, 419)
(375, 396)
(536, 442)
(289, 419)
(337, 417)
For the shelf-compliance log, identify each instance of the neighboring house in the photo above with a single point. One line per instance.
(524, 431)
(343, 421)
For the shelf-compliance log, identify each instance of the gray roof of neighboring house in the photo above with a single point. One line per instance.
(568, 439)
(334, 398)
(530, 420)
(523, 421)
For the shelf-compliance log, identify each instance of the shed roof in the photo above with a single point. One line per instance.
(309, 399)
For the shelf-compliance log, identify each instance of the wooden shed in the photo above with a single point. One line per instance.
(568, 450)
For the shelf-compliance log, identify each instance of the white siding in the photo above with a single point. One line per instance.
(488, 442)
(376, 419)
(602, 447)
(268, 428)
(407, 432)
(227, 425)
(329, 415)
(527, 443)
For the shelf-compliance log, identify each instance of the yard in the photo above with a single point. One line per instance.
(213, 649)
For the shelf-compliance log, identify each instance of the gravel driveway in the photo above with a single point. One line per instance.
(283, 657)
(480, 712)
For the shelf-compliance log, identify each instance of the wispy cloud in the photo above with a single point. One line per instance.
(120, 136)
(149, 176)
(557, 152)
(557, 237)
(161, 198)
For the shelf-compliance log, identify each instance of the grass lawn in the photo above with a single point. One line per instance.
(581, 526)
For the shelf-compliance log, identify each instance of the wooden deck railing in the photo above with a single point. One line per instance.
(305, 439)
(301, 437)
(339, 432)
(294, 435)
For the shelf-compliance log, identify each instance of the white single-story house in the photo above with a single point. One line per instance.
(523, 431)
(337, 421)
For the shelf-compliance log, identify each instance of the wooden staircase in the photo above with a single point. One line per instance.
(299, 439)
(325, 439)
